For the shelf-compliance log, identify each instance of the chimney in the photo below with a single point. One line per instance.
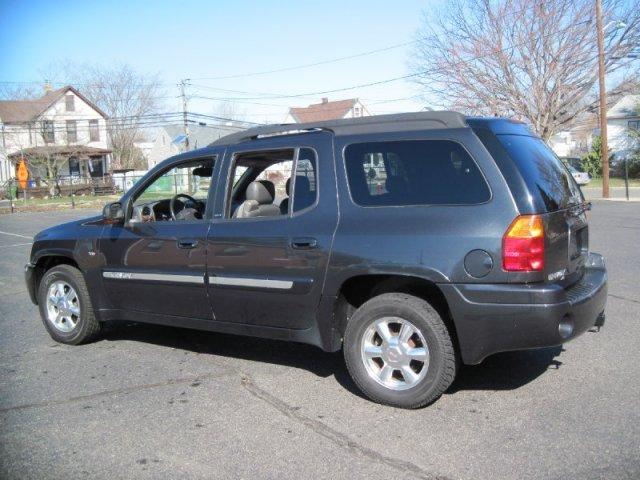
(47, 87)
(325, 100)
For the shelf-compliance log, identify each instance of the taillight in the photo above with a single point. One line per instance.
(523, 245)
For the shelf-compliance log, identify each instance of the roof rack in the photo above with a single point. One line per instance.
(374, 124)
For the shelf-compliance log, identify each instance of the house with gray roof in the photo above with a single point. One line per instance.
(170, 140)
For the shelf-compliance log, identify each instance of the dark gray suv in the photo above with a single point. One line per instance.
(413, 242)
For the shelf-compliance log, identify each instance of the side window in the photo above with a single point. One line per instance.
(272, 183)
(305, 190)
(413, 172)
(193, 179)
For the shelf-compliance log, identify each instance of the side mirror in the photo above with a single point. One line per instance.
(113, 212)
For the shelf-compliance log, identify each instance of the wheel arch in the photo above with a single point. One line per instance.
(357, 289)
(46, 261)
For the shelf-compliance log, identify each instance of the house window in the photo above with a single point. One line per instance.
(633, 124)
(94, 131)
(74, 166)
(48, 132)
(69, 103)
(356, 111)
(72, 131)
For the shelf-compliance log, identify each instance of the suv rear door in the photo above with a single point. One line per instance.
(541, 184)
(269, 271)
(561, 202)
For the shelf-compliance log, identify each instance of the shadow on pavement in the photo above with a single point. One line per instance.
(507, 371)
(503, 371)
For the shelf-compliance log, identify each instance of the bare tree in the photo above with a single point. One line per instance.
(19, 91)
(535, 60)
(229, 110)
(129, 98)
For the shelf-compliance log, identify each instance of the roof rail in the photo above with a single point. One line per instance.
(346, 126)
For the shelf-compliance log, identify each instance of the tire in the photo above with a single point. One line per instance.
(433, 367)
(77, 322)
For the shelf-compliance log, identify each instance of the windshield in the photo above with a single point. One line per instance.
(543, 172)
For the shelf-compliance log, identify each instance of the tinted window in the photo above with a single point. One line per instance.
(424, 172)
(306, 188)
(542, 170)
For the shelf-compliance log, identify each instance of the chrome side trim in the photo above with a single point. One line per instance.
(251, 282)
(159, 277)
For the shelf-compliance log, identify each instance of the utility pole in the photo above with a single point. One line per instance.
(604, 150)
(183, 84)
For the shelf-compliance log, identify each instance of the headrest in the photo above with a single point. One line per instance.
(395, 184)
(271, 188)
(287, 186)
(259, 192)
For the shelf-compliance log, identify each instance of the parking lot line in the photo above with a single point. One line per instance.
(16, 245)
(16, 235)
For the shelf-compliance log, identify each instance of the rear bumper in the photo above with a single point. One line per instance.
(503, 317)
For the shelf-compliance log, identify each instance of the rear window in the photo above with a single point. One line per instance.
(416, 172)
(543, 172)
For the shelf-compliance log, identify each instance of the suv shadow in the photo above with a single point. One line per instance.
(502, 371)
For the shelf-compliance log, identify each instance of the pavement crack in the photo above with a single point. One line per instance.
(105, 393)
(620, 297)
(333, 435)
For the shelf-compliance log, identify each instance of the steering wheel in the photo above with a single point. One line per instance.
(172, 204)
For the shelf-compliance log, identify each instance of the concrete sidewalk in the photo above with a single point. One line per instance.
(615, 193)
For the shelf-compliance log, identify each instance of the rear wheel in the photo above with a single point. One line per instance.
(65, 306)
(399, 351)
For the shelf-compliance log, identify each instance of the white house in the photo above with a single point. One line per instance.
(326, 110)
(576, 141)
(622, 117)
(62, 123)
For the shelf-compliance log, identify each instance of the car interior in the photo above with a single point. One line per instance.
(260, 186)
(178, 194)
(265, 187)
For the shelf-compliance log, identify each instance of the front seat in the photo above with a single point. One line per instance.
(284, 204)
(259, 201)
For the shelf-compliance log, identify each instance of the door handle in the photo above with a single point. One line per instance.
(305, 243)
(187, 243)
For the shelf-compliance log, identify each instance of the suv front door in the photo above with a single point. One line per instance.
(269, 271)
(152, 263)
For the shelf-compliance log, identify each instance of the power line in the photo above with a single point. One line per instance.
(124, 123)
(394, 79)
(333, 60)
(308, 65)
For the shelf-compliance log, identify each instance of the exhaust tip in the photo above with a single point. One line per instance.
(565, 328)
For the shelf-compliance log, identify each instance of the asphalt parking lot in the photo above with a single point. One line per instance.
(159, 402)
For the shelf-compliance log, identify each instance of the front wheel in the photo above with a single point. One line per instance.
(399, 351)
(65, 306)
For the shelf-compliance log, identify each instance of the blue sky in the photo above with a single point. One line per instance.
(204, 39)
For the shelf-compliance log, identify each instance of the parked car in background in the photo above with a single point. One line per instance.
(414, 243)
(581, 178)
